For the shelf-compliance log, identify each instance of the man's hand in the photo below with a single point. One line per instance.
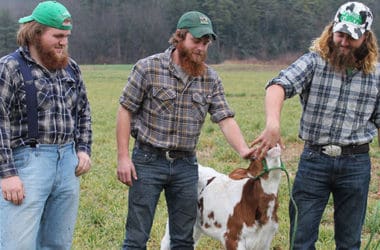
(84, 163)
(268, 139)
(248, 153)
(126, 171)
(13, 189)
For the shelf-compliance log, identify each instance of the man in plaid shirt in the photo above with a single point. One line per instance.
(163, 106)
(40, 174)
(339, 83)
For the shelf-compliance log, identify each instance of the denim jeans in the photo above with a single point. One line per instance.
(347, 179)
(179, 179)
(46, 217)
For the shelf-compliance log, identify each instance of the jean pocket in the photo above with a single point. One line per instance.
(309, 155)
(192, 161)
(142, 157)
(22, 157)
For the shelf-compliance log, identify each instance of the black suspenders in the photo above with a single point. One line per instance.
(31, 98)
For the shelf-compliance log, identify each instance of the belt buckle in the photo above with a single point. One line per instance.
(167, 155)
(332, 150)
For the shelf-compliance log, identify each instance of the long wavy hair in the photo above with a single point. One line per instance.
(323, 45)
(29, 32)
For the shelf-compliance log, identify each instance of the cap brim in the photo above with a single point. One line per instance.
(199, 32)
(26, 19)
(353, 30)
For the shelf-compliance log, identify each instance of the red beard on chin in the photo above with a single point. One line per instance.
(50, 59)
(193, 65)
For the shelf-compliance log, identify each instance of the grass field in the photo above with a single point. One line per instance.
(103, 205)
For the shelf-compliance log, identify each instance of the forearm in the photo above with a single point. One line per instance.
(123, 132)
(233, 135)
(274, 100)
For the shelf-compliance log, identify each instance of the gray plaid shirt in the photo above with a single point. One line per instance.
(56, 97)
(337, 108)
(167, 112)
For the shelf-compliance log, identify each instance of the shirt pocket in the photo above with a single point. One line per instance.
(70, 94)
(62, 92)
(201, 105)
(45, 99)
(163, 100)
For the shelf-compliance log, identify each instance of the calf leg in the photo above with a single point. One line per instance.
(165, 242)
(197, 233)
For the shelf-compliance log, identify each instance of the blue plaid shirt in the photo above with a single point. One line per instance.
(56, 97)
(336, 108)
(167, 112)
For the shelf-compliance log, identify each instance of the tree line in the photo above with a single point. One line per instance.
(122, 31)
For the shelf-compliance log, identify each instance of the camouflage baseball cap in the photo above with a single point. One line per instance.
(353, 18)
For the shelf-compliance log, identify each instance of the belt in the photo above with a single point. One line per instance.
(336, 150)
(31, 142)
(170, 155)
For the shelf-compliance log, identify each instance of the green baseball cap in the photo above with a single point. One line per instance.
(50, 13)
(197, 23)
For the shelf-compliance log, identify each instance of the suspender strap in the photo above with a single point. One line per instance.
(31, 97)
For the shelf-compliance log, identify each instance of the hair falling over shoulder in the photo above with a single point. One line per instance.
(323, 45)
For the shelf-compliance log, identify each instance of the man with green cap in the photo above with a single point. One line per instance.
(163, 107)
(45, 134)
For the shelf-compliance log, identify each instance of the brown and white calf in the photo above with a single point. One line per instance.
(239, 210)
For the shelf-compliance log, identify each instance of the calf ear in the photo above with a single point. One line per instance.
(238, 174)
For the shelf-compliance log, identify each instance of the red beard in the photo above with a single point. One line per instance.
(191, 62)
(49, 58)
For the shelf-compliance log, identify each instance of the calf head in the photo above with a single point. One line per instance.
(257, 166)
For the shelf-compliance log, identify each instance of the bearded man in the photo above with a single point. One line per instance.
(45, 134)
(338, 82)
(163, 106)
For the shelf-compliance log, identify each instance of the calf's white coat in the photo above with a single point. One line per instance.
(238, 209)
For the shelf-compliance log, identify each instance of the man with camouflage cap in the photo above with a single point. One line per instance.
(45, 134)
(338, 83)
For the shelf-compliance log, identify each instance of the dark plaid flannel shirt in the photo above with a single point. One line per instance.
(167, 112)
(56, 97)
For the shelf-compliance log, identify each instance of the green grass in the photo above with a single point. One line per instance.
(103, 205)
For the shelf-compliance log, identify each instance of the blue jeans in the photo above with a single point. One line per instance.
(347, 179)
(46, 217)
(179, 179)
